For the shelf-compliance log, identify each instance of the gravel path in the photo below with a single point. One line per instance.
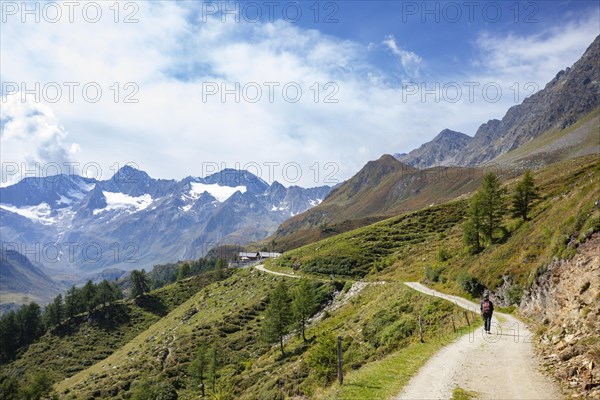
(497, 366)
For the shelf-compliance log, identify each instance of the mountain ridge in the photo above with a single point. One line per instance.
(381, 189)
(568, 97)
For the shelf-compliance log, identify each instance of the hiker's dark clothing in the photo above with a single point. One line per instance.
(487, 317)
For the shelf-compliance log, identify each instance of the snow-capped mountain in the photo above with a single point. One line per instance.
(82, 226)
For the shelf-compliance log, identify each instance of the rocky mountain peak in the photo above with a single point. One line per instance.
(57, 191)
(234, 177)
(449, 134)
(444, 147)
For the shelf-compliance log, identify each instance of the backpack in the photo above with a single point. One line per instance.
(486, 307)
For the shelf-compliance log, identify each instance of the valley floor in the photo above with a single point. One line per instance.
(497, 366)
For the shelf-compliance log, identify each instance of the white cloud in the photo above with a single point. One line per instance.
(537, 57)
(32, 141)
(409, 60)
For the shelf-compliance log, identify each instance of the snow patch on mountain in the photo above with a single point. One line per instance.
(64, 200)
(118, 201)
(221, 193)
(41, 213)
(280, 208)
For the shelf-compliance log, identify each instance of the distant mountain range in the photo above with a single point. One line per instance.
(571, 95)
(22, 282)
(79, 226)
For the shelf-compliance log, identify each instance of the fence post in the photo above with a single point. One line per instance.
(467, 318)
(339, 365)
(453, 325)
(421, 328)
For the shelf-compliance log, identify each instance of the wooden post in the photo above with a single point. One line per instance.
(467, 318)
(339, 364)
(421, 328)
(453, 325)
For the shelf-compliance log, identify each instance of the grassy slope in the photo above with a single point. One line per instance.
(208, 313)
(355, 253)
(252, 369)
(78, 344)
(377, 197)
(566, 212)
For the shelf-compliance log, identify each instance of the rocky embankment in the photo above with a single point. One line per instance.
(565, 303)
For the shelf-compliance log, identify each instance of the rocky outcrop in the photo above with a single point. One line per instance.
(565, 303)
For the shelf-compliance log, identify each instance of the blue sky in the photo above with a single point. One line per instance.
(337, 88)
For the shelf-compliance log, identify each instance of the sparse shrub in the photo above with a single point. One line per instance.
(590, 226)
(469, 284)
(36, 386)
(585, 311)
(433, 273)
(145, 390)
(389, 327)
(380, 265)
(357, 354)
(9, 387)
(373, 328)
(584, 287)
(342, 265)
(322, 358)
(398, 331)
(514, 294)
(443, 254)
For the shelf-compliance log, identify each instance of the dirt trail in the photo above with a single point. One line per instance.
(262, 268)
(497, 366)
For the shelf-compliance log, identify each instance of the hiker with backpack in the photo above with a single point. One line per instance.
(487, 309)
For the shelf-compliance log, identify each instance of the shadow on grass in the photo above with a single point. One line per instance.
(362, 386)
(152, 304)
(107, 318)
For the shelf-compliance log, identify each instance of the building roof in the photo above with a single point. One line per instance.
(259, 254)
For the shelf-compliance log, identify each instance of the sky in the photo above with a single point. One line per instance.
(300, 92)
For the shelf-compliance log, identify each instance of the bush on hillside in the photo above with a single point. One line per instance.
(433, 273)
(322, 358)
(443, 254)
(514, 294)
(145, 390)
(469, 284)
